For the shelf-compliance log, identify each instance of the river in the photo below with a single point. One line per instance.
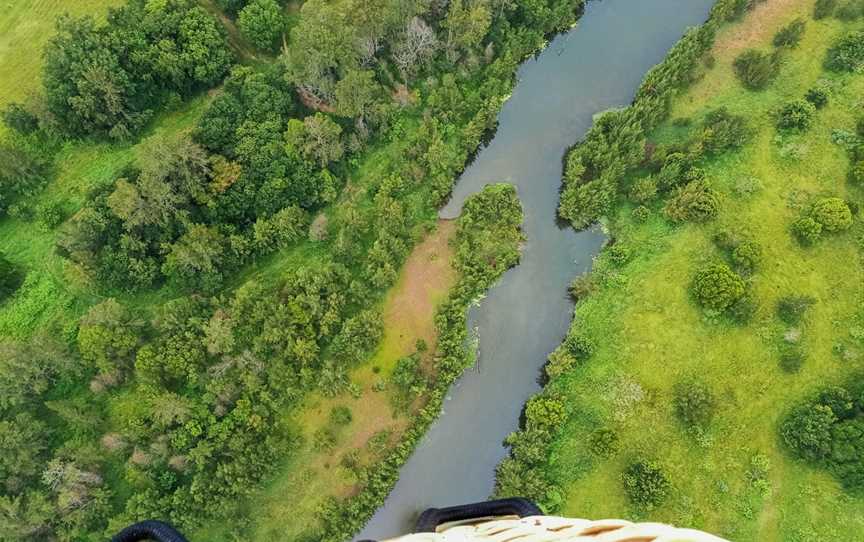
(595, 66)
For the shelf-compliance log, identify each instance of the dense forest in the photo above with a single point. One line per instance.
(712, 373)
(324, 144)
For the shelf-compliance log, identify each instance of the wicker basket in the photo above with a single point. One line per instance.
(558, 529)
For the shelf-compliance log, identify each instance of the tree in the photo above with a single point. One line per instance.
(356, 93)
(467, 23)
(262, 22)
(197, 258)
(19, 118)
(108, 336)
(23, 440)
(806, 230)
(415, 47)
(316, 137)
(20, 174)
(28, 369)
(717, 287)
(756, 69)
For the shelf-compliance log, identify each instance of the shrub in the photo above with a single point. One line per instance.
(643, 189)
(603, 442)
(756, 69)
(18, 118)
(717, 287)
(791, 34)
(833, 214)
(824, 8)
(817, 96)
(645, 484)
(796, 115)
(544, 412)
(695, 202)
(340, 415)
(806, 230)
(743, 309)
(642, 213)
(850, 10)
(807, 431)
(791, 359)
(747, 256)
(10, 278)
(722, 131)
(792, 308)
(859, 126)
(847, 53)
(50, 215)
(856, 173)
(694, 403)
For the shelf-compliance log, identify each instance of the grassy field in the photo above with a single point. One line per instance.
(650, 335)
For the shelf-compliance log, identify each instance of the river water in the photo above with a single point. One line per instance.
(595, 66)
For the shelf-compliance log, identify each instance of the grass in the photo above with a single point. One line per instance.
(650, 335)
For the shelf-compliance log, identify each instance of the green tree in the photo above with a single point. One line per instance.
(108, 336)
(262, 23)
(717, 287)
(694, 403)
(317, 138)
(197, 258)
(824, 9)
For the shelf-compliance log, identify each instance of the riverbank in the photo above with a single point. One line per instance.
(641, 346)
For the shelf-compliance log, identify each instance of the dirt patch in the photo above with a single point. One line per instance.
(759, 27)
(409, 310)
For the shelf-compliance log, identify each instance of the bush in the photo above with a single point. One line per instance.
(796, 115)
(792, 308)
(722, 131)
(756, 69)
(833, 214)
(824, 8)
(18, 118)
(806, 230)
(642, 213)
(817, 96)
(850, 10)
(643, 189)
(847, 53)
(603, 442)
(747, 256)
(262, 23)
(50, 215)
(10, 278)
(717, 287)
(645, 484)
(791, 360)
(340, 415)
(791, 34)
(696, 202)
(807, 431)
(694, 403)
(856, 173)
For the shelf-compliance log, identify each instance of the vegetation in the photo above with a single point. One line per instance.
(702, 400)
(206, 259)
